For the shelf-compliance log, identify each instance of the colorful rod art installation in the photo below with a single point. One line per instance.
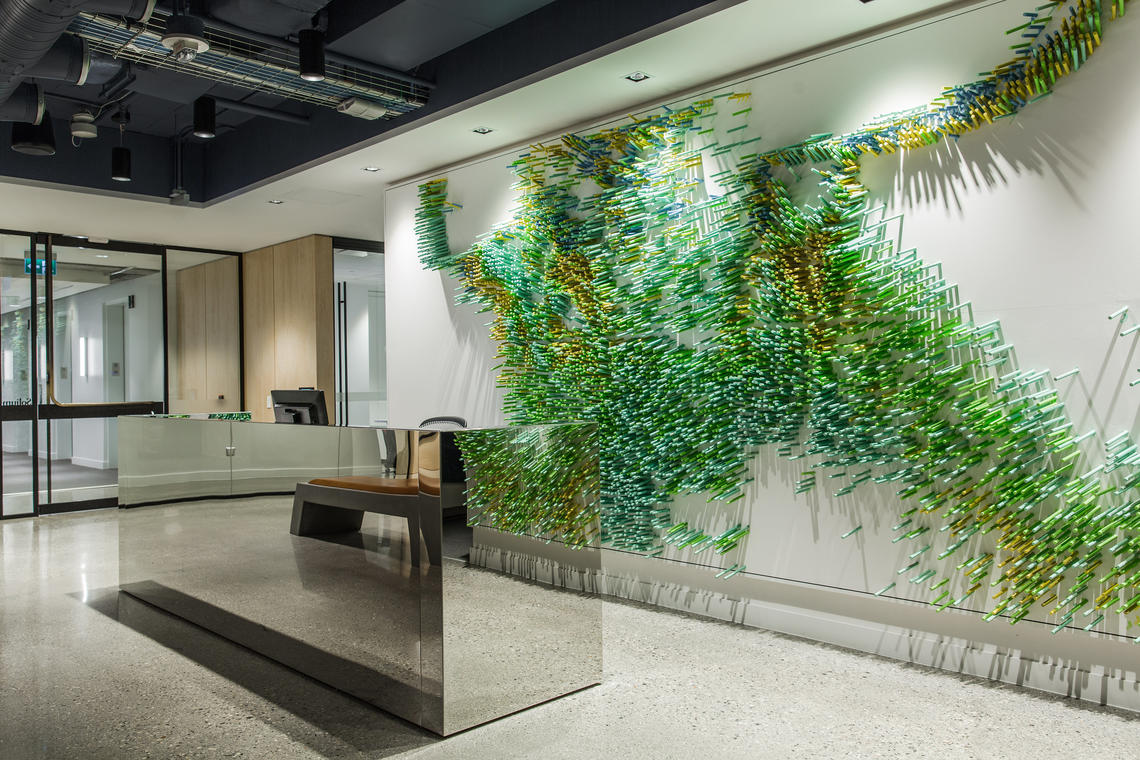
(697, 315)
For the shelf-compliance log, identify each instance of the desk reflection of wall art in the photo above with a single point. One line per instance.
(700, 313)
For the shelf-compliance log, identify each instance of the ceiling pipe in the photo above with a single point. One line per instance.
(269, 113)
(26, 104)
(29, 29)
(330, 56)
(70, 60)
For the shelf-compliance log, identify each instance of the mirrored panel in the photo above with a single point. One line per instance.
(169, 459)
(368, 578)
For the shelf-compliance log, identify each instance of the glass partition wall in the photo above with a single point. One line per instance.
(84, 338)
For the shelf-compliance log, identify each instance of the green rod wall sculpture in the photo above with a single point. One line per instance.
(698, 316)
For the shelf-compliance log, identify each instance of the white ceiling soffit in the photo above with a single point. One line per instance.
(717, 48)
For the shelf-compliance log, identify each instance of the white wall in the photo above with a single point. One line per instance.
(1031, 216)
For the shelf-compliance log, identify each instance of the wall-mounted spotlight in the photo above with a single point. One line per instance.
(311, 54)
(34, 139)
(121, 156)
(205, 117)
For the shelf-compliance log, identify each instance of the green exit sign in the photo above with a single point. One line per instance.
(41, 267)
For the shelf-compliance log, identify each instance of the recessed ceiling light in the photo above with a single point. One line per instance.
(276, 202)
(102, 256)
(637, 76)
(371, 169)
(482, 130)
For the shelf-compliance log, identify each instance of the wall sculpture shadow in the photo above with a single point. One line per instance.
(665, 284)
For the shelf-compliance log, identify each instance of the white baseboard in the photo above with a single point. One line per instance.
(95, 464)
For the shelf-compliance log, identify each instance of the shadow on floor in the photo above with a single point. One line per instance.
(327, 719)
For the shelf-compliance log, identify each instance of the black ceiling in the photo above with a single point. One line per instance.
(464, 48)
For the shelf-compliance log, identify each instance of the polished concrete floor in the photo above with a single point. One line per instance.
(88, 673)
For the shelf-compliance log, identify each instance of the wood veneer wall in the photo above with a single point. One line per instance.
(207, 357)
(288, 311)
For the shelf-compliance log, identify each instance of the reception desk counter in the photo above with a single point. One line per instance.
(374, 575)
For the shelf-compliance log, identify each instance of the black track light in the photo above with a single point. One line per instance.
(121, 156)
(205, 114)
(34, 139)
(311, 54)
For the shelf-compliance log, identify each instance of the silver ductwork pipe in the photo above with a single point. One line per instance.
(30, 28)
(26, 104)
(69, 60)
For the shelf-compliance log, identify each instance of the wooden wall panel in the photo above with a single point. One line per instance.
(260, 342)
(324, 323)
(191, 348)
(223, 339)
(295, 309)
(288, 309)
(205, 354)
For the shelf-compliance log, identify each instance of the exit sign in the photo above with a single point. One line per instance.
(41, 267)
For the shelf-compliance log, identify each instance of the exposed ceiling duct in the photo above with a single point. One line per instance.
(30, 28)
(25, 104)
(253, 62)
(70, 60)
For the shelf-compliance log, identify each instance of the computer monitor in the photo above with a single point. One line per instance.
(301, 407)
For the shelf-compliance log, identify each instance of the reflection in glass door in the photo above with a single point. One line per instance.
(103, 350)
(19, 365)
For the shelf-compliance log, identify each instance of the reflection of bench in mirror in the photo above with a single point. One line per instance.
(362, 580)
(326, 506)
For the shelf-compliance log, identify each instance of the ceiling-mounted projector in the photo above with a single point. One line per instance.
(186, 37)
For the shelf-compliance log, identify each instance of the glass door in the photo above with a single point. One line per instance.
(101, 355)
(21, 317)
(361, 371)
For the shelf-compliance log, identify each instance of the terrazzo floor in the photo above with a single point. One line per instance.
(88, 673)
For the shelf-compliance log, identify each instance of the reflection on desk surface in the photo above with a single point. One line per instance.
(447, 645)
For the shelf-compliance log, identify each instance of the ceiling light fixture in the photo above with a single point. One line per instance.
(205, 118)
(102, 256)
(637, 76)
(120, 156)
(275, 202)
(371, 169)
(311, 55)
(34, 139)
(185, 35)
(482, 130)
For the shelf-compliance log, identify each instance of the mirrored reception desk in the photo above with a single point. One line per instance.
(380, 575)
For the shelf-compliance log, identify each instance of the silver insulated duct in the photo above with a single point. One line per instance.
(30, 28)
